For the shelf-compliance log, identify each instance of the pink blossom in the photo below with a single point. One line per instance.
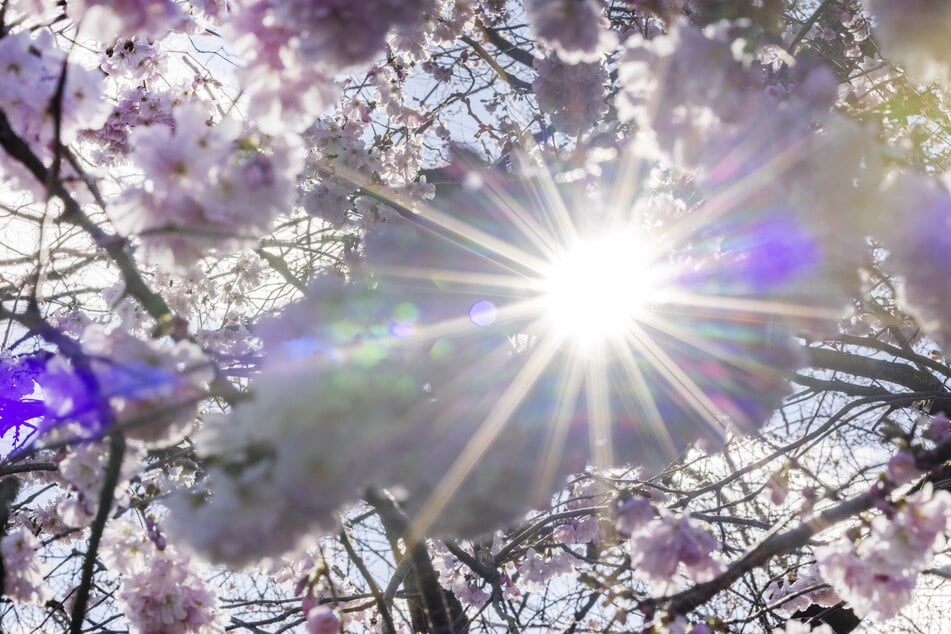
(877, 577)
(659, 546)
(634, 514)
(456, 577)
(23, 575)
(573, 95)
(108, 20)
(30, 67)
(916, 245)
(151, 386)
(902, 468)
(869, 582)
(575, 29)
(809, 577)
(536, 569)
(580, 531)
(136, 107)
(167, 596)
(939, 429)
(322, 620)
(295, 47)
(207, 186)
(137, 59)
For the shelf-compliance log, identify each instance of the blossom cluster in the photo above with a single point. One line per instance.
(23, 574)
(575, 29)
(572, 94)
(152, 388)
(660, 545)
(82, 469)
(30, 72)
(295, 48)
(272, 485)
(161, 591)
(457, 578)
(136, 107)
(877, 576)
(205, 187)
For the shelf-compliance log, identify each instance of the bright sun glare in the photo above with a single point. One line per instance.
(597, 287)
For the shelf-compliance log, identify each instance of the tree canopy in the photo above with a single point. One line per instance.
(458, 316)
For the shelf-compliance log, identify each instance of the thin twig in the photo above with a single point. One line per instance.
(371, 582)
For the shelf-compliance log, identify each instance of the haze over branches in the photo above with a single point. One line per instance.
(459, 316)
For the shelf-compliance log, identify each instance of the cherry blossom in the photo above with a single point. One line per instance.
(538, 569)
(806, 578)
(30, 68)
(877, 578)
(574, 95)
(575, 29)
(322, 620)
(633, 514)
(161, 591)
(921, 239)
(137, 59)
(296, 47)
(659, 546)
(177, 214)
(23, 574)
(110, 20)
(939, 428)
(151, 388)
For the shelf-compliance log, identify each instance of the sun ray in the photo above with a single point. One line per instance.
(545, 192)
(685, 387)
(598, 404)
(528, 224)
(739, 361)
(483, 281)
(572, 381)
(509, 313)
(645, 400)
(514, 313)
(746, 304)
(624, 189)
(737, 193)
(531, 225)
(484, 436)
(468, 237)
(445, 226)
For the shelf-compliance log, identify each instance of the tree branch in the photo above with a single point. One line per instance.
(388, 625)
(507, 48)
(878, 369)
(511, 80)
(438, 618)
(778, 543)
(114, 246)
(109, 483)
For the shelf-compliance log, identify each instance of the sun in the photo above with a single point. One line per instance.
(596, 287)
